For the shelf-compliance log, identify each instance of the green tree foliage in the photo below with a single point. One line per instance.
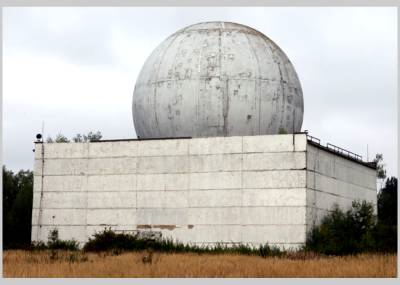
(387, 202)
(79, 138)
(60, 138)
(53, 242)
(380, 166)
(108, 240)
(90, 137)
(354, 231)
(17, 208)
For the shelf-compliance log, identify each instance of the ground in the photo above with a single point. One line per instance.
(18, 263)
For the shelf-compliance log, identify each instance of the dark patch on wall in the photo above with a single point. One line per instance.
(143, 227)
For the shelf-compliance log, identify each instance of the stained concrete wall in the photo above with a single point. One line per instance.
(252, 189)
(333, 179)
(202, 191)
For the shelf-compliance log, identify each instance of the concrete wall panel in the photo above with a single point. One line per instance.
(113, 149)
(274, 161)
(214, 216)
(215, 198)
(340, 168)
(332, 179)
(63, 150)
(211, 233)
(114, 182)
(273, 215)
(60, 200)
(105, 217)
(162, 199)
(125, 165)
(59, 217)
(163, 147)
(214, 163)
(175, 181)
(274, 197)
(216, 145)
(112, 200)
(274, 179)
(77, 233)
(161, 216)
(274, 143)
(76, 166)
(163, 164)
(337, 187)
(272, 234)
(215, 180)
(61, 183)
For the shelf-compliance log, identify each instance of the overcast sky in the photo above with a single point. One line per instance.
(75, 69)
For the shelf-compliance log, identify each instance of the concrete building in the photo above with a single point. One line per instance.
(250, 189)
(235, 180)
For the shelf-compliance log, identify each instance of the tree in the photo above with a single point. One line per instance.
(90, 137)
(380, 168)
(94, 137)
(60, 138)
(17, 211)
(353, 231)
(387, 202)
(79, 138)
(344, 232)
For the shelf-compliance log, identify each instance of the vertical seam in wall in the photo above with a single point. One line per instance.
(241, 196)
(188, 186)
(87, 192)
(307, 209)
(41, 197)
(136, 184)
(315, 187)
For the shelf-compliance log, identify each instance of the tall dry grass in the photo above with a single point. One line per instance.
(17, 263)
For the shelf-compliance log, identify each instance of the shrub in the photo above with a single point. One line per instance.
(108, 240)
(55, 243)
(266, 251)
(351, 232)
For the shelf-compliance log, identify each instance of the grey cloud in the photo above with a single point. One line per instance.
(345, 58)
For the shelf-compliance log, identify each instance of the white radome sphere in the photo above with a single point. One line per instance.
(217, 79)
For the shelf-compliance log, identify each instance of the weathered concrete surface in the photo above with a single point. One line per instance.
(217, 79)
(332, 179)
(253, 189)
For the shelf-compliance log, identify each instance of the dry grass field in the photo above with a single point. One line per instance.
(18, 263)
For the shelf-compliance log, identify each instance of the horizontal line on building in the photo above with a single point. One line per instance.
(167, 155)
(333, 194)
(352, 166)
(171, 208)
(169, 190)
(173, 138)
(335, 178)
(182, 226)
(342, 155)
(187, 173)
(84, 225)
(327, 210)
